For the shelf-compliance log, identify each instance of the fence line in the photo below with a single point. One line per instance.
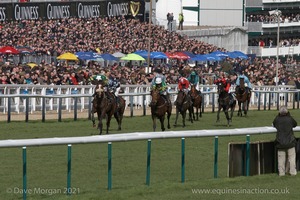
(30, 98)
(136, 136)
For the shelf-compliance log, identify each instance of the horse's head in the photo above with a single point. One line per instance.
(221, 88)
(180, 97)
(154, 96)
(193, 92)
(242, 83)
(99, 90)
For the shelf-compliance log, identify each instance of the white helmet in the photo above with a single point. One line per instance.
(158, 80)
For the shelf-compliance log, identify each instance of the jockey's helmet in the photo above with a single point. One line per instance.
(182, 80)
(193, 73)
(158, 80)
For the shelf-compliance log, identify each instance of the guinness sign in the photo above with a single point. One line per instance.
(134, 8)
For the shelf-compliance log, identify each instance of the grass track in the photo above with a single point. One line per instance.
(47, 166)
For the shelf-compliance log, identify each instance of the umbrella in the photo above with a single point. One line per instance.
(118, 54)
(24, 49)
(220, 54)
(31, 64)
(107, 56)
(8, 50)
(89, 55)
(178, 55)
(67, 56)
(237, 54)
(132, 56)
(199, 57)
(158, 55)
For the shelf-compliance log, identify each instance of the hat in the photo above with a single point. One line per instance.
(158, 80)
(193, 73)
(158, 70)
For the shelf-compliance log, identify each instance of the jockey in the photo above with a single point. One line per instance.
(183, 84)
(224, 80)
(246, 81)
(193, 78)
(113, 84)
(159, 82)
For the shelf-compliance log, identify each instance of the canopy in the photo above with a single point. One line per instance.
(8, 50)
(220, 54)
(118, 54)
(199, 57)
(31, 64)
(67, 56)
(153, 55)
(107, 56)
(132, 56)
(178, 55)
(237, 54)
(89, 55)
(24, 49)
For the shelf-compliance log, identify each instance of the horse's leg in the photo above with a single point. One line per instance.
(117, 117)
(227, 117)
(191, 112)
(218, 114)
(183, 114)
(100, 125)
(108, 119)
(154, 122)
(240, 109)
(162, 120)
(177, 113)
(93, 118)
(169, 112)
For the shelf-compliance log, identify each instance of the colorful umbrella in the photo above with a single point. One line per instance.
(132, 56)
(67, 56)
(24, 49)
(31, 64)
(107, 56)
(89, 55)
(118, 54)
(8, 50)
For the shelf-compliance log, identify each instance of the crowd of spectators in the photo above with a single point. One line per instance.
(55, 37)
(267, 18)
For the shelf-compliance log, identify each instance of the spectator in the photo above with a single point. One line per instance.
(285, 141)
(181, 20)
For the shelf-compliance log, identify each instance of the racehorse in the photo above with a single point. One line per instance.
(183, 104)
(105, 105)
(225, 104)
(243, 96)
(119, 112)
(159, 107)
(197, 102)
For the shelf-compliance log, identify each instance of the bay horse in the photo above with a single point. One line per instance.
(224, 103)
(159, 107)
(105, 106)
(197, 102)
(243, 96)
(119, 112)
(183, 103)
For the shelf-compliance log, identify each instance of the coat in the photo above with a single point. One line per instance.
(285, 138)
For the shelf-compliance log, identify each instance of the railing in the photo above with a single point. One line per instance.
(133, 137)
(28, 99)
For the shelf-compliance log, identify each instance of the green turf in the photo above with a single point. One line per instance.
(47, 166)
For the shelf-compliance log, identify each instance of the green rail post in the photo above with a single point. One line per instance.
(109, 167)
(24, 174)
(69, 170)
(247, 155)
(216, 157)
(148, 162)
(182, 160)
